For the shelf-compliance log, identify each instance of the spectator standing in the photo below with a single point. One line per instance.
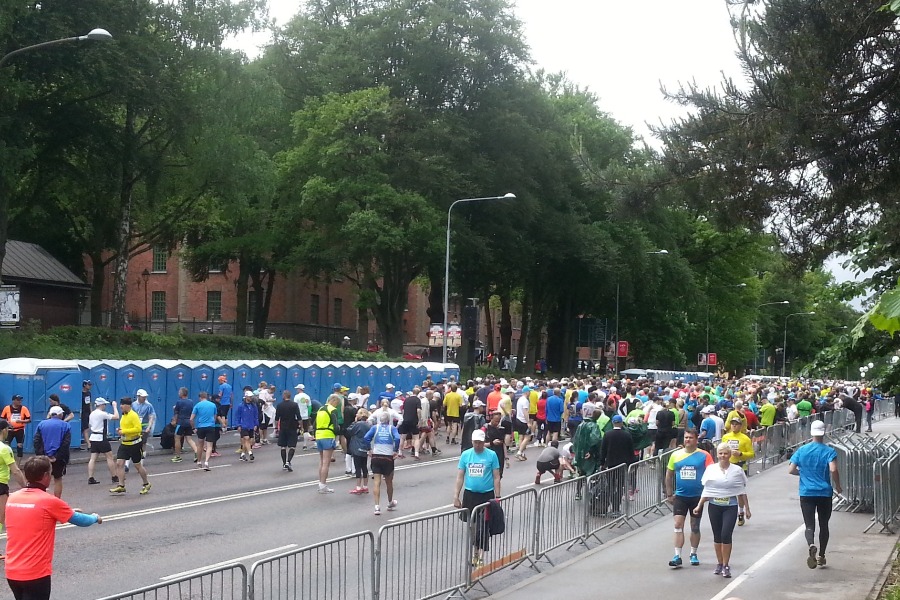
(478, 480)
(617, 450)
(52, 439)
(18, 416)
(99, 439)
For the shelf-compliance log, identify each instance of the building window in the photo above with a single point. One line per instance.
(213, 306)
(314, 309)
(158, 306)
(160, 258)
(251, 306)
(338, 312)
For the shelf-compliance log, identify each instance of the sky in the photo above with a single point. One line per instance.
(623, 51)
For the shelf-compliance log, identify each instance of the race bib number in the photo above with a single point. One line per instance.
(687, 473)
(476, 470)
(721, 501)
(15, 417)
(735, 444)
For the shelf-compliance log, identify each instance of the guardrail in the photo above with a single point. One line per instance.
(886, 479)
(646, 488)
(223, 583)
(517, 543)
(305, 573)
(557, 524)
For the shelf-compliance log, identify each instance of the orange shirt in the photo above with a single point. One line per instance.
(16, 419)
(493, 401)
(31, 518)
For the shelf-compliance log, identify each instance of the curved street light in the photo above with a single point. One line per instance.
(507, 196)
(97, 35)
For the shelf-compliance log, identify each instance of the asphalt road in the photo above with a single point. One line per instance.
(192, 519)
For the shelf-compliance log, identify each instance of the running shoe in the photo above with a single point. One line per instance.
(718, 570)
(93, 481)
(255, 446)
(377, 510)
(740, 519)
(365, 490)
(252, 457)
(215, 454)
(238, 451)
(145, 489)
(127, 468)
(726, 572)
(811, 559)
(676, 561)
(177, 459)
(821, 561)
(289, 468)
(392, 505)
(119, 489)
(356, 491)
(557, 478)
(206, 466)
(244, 457)
(695, 562)
(326, 490)
(284, 467)
(537, 479)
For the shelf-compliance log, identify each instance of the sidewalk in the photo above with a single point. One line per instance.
(768, 559)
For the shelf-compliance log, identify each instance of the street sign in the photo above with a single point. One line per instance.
(623, 350)
(712, 360)
(701, 359)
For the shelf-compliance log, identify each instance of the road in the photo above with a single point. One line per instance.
(192, 519)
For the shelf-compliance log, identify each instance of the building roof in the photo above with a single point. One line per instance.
(29, 262)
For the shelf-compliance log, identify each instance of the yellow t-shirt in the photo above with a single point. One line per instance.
(452, 403)
(533, 397)
(739, 441)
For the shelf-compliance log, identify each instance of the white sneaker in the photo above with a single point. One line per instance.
(392, 505)
(378, 510)
(326, 490)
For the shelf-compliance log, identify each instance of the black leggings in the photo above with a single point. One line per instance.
(33, 589)
(722, 519)
(360, 463)
(809, 506)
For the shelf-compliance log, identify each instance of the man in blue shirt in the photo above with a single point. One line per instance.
(816, 464)
(225, 395)
(183, 430)
(479, 475)
(53, 439)
(555, 408)
(204, 419)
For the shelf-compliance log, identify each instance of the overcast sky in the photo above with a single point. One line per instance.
(623, 51)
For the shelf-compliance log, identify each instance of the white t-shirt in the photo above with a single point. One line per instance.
(651, 415)
(397, 405)
(97, 422)
(302, 400)
(523, 404)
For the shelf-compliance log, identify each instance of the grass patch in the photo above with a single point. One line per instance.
(95, 343)
(891, 589)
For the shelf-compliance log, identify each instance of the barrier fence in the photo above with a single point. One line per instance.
(390, 566)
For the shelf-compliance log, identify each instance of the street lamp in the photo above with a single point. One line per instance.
(507, 196)
(662, 252)
(784, 347)
(145, 276)
(97, 35)
(756, 331)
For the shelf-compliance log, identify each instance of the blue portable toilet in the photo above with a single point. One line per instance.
(294, 375)
(203, 379)
(398, 376)
(357, 376)
(328, 376)
(371, 375)
(262, 372)
(155, 384)
(103, 380)
(244, 374)
(219, 369)
(410, 378)
(345, 375)
(384, 374)
(129, 379)
(313, 382)
(421, 373)
(179, 375)
(278, 378)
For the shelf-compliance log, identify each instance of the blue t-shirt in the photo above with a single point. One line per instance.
(555, 408)
(144, 411)
(206, 412)
(183, 409)
(709, 426)
(689, 469)
(225, 394)
(812, 460)
(479, 470)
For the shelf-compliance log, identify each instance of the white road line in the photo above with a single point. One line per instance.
(194, 470)
(228, 562)
(726, 591)
(420, 513)
(527, 485)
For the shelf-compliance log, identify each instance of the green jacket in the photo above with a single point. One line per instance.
(587, 441)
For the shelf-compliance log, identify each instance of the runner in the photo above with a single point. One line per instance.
(551, 460)
(326, 436)
(147, 414)
(183, 429)
(683, 490)
(359, 450)
(204, 420)
(472, 422)
(384, 446)
(520, 424)
(99, 439)
(302, 400)
(18, 416)
(52, 439)
(453, 402)
(288, 421)
(68, 415)
(131, 447)
(741, 453)
(478, 480)
(246, 417)
(86, 387)
(7, 467)
(816, 464)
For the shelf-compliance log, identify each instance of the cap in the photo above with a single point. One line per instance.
(346, 337)
(478, 435)
(141, 392)
(87, 382)
(736, 420)
(299, 386)
(478, 404)
(389, 386)
(397, 394)
(56, 410)
(100, 401)
(17, 397)
(817, 428)
(338, 387)
(618, 419)
(707, 410)
(248, 394)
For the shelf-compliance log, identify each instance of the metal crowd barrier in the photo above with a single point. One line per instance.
(857, 458)
(646, 488)
(600, 510)
(514, 546)
(886, 480)
(402, 573)
(310, 572)
(557, 523)
(224, 583)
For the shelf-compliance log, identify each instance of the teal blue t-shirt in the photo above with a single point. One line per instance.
(479, 470)
(812, 460)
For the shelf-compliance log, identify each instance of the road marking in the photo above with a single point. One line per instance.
(527, 485)
(227, 562)
(422, 512)
(757, 565)
(194, 470)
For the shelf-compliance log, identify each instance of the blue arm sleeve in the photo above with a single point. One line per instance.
(396, 435)
(83, 520)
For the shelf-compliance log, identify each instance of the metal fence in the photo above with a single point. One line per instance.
(557, 523)
(646, 488)
(600, 510)
(857, 457)
(223, 583)
(886, 481)
(512, 548)
(309, 572)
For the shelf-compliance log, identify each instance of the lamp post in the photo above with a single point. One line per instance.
(784, 346)
(662, 252)
(508, 196)
(756, 331)
(145, 277)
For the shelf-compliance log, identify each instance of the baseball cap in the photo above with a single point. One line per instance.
(708, 409)
(398, 394)
(618, 419)
(141, 392)
(248, 394)
(736, 420)
(478, 404)
(817, 428)
(56, 410)
(100, 401)
(389, 386)
(299, 386)
(478, 435)
(17, 397)
(87, 382)
(338, 387)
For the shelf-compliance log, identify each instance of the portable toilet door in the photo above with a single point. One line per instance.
(313, 383)
(65, 383)
(410, 377)
(357, 377)
(155, 384)
(345, 376)
(262, 372)
(203, 379)
(220, 369)
(371, 374)
(294, 375)
(103, 381)
(384, 376)
(328, 376)
(278, 378)
(421, 374)
(398, 377)
(129, 379)
(244, 375)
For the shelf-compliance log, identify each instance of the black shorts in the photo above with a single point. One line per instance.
(532, 417)
(382, 465)
(184, 430)
(245, 433)
(554, 426)
(450, 420)
(101, 447)
(208, 434)
(222, 410)
(4, 489)
(408, 428)
(58, 468)
(520, 427)
(85, 417)
(132, 452)
(18, 435)
(546, 467)
(304, 424)
(287, 438)
(682, 505)
(664, 438)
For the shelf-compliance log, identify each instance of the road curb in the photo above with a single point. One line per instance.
(882, 578)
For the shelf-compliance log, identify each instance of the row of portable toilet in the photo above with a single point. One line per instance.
(36, 379)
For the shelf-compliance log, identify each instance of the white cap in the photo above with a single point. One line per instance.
(478, 435)
(100, 401)
(248, 394)
(56, 410)
(299, 386)
(389, 386)
(397, 394)
(478, 404)
(141, 392)
(817, 428)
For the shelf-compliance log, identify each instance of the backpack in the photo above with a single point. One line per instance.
(167, 437)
